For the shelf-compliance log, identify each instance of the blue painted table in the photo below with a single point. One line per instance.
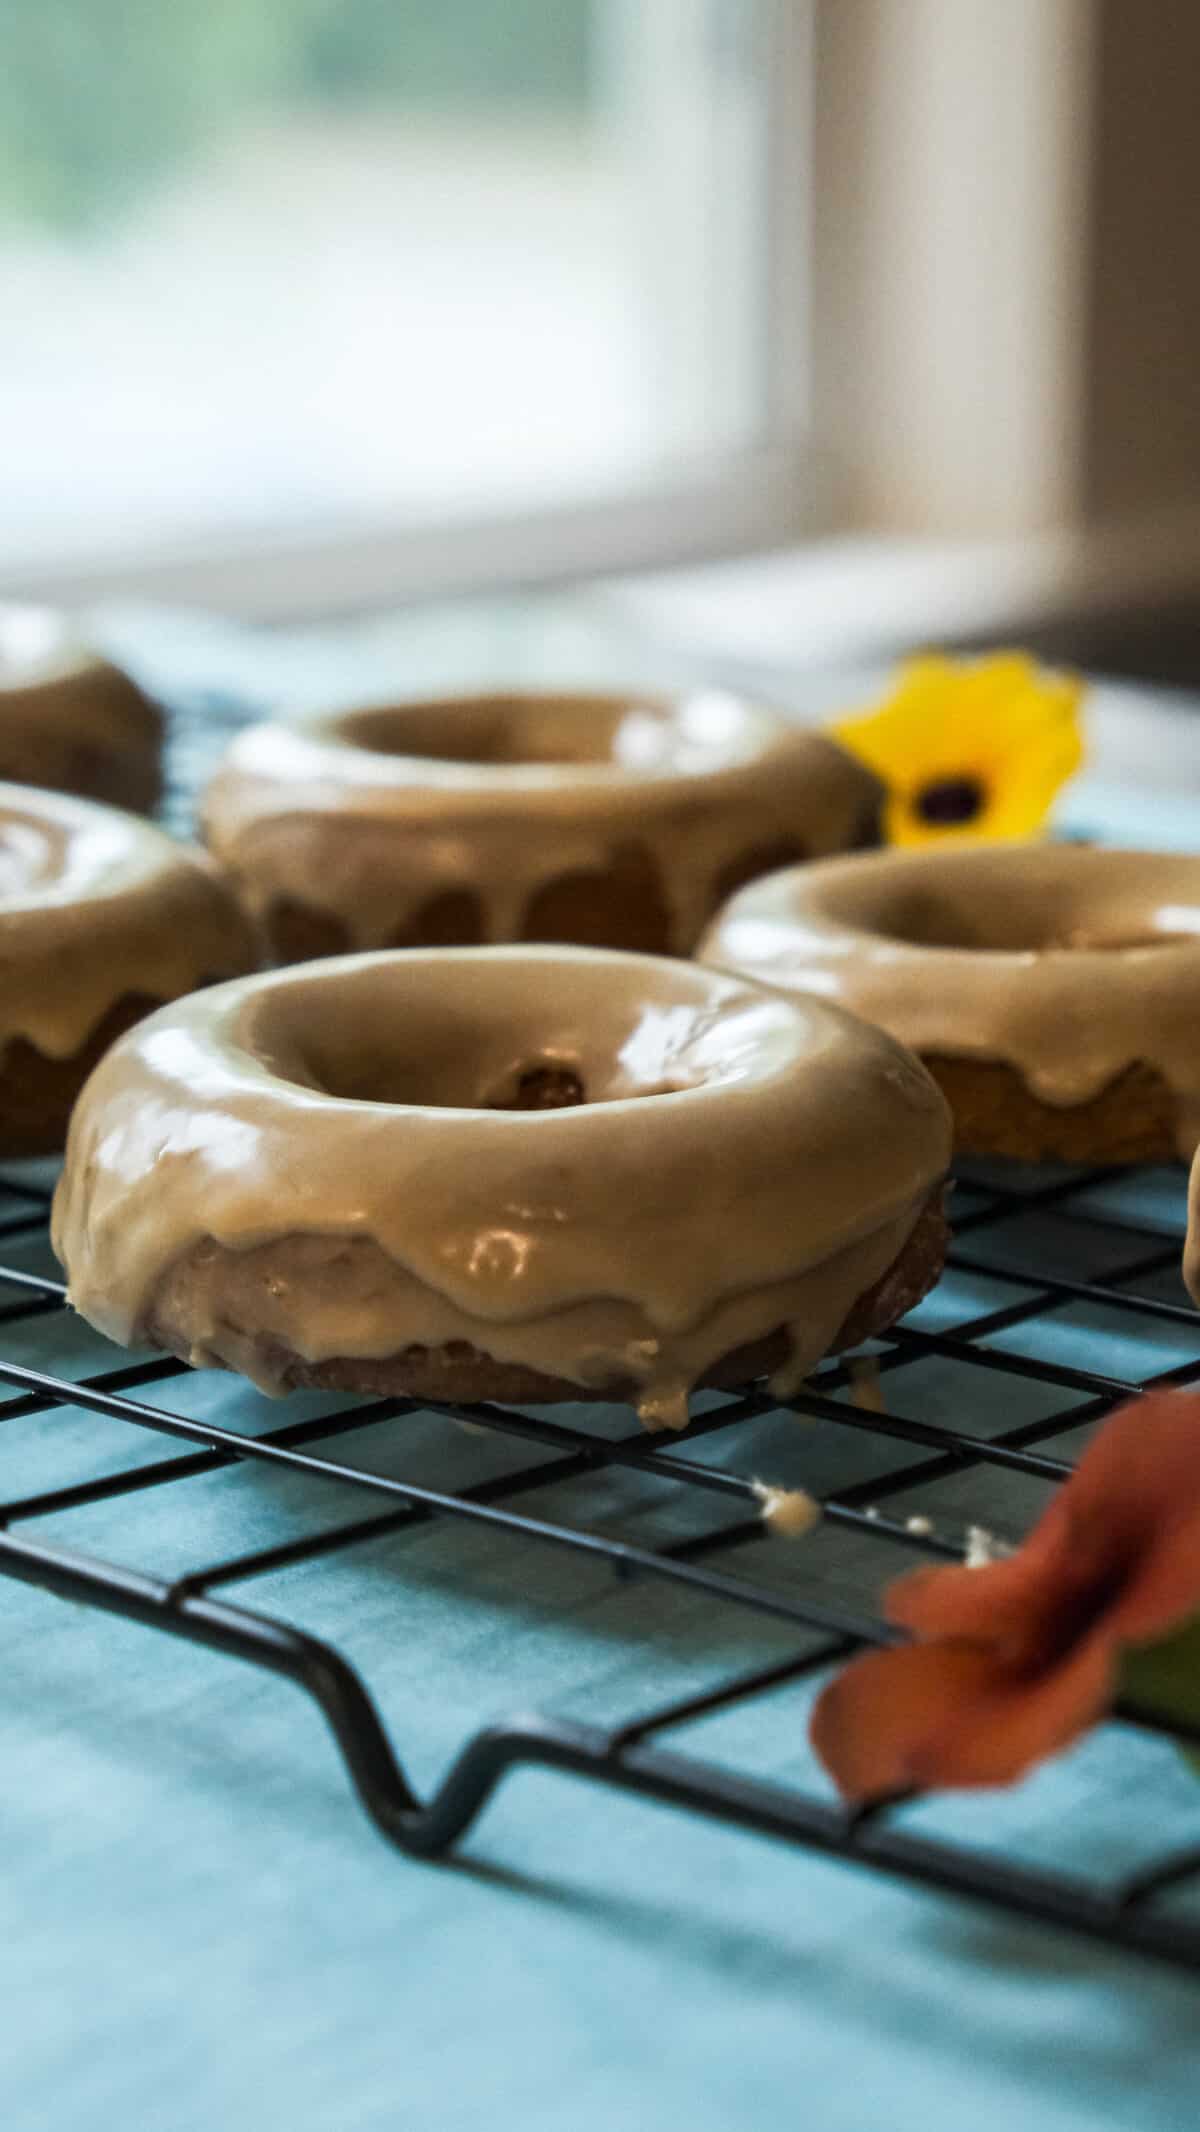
(203, 1930)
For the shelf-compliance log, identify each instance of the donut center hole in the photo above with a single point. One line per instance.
(545, 1088)
(502, 732)
(922, 919)
(482, 1031)
(467, 1077)
(370, 1070)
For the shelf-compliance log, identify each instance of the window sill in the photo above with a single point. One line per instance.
(861, 597)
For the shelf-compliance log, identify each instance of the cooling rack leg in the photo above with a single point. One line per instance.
(430, 1830)
(238, 1633)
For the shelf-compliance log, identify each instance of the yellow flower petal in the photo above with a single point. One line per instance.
(1001, 723)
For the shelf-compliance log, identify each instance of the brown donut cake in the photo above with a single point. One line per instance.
(71, 721)
(102, 918)
(507, 1173)
(1052, 991)
(608, 821)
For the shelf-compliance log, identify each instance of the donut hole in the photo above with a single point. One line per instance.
(381, 1066)
(512, 1030)
(925, 920)
(545, 1087)
(613, 734)
(376, 1073)
(1073, 899)
(451, 1068)
(499, 732)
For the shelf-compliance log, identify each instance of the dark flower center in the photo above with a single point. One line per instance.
(951, 801)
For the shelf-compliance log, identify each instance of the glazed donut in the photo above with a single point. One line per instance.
(102, 918)
(506, 1173)
(1052, 991)
(608, 821)
(71, 721)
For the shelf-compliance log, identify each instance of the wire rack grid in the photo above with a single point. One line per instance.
(1015, 1232)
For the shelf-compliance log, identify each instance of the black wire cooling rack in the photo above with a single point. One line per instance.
(629, 1755)
(1012, 1232)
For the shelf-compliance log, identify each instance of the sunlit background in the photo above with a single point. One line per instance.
(311, 306)
(270, 261)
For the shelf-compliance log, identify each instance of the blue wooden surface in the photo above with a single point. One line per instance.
(202, 1931)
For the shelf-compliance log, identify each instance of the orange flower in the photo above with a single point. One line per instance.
(1013, 1661)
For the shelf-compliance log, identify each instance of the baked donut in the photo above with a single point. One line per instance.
(608, 821)
(102, 918)
(1052, 991)
(72, 721)
(505, 1173)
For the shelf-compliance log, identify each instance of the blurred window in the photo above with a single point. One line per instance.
(277, 265)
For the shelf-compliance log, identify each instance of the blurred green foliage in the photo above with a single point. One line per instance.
(101, 98)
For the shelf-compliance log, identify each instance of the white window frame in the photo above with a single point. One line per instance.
(953, 286)
(760, 497)
(951, 156)
(925, 209)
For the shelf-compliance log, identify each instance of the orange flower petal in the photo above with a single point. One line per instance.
(939, 1716)
(1124, 1527)
(872, 1725)
(1020, 1657)
(1166, 1589)
(1135, 1498)
(1003, 1603)
(1141, 1462)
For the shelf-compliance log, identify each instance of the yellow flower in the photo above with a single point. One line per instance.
(969, 749)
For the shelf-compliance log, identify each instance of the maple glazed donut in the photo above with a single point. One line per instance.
(506, 1173)
(1053, 992)
(72, 721)
(102, 918)
(604, 820)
